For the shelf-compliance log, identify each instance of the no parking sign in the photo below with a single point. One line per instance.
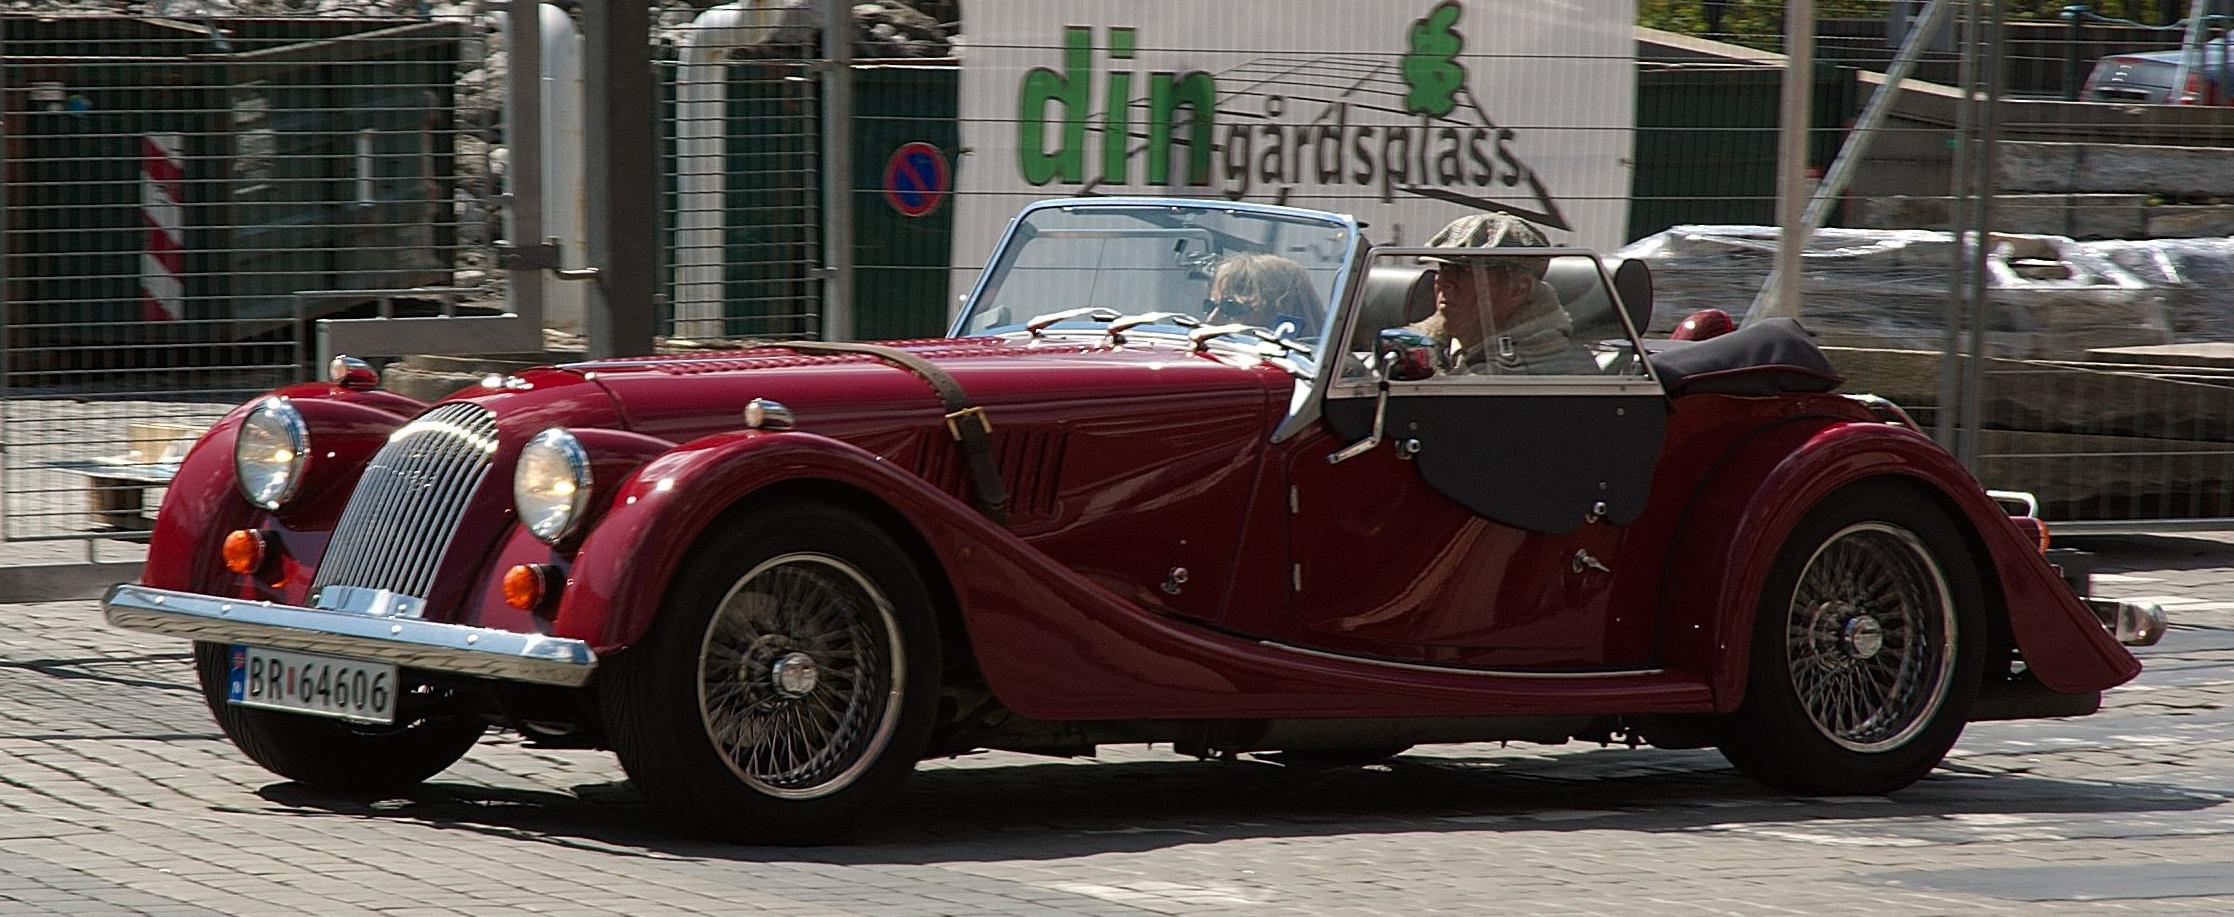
(916, 179)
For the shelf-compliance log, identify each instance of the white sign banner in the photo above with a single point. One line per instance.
(1403, 113)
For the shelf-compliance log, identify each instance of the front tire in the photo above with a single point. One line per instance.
(788, 686)
(329, 754)
(1867, 650)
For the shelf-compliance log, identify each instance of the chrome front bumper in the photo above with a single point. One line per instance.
(408, 642)
(2133, 623)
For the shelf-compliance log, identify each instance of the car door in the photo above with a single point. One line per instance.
(1486, 527)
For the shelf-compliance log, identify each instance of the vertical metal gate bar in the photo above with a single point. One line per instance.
(6, 127)
(837, 170)
(1982, 191)
(1945, 426)
(523, 137)
(1791, 162)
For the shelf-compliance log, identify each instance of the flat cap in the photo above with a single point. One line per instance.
(1492, 230)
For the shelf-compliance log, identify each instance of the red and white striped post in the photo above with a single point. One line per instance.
(163, 259)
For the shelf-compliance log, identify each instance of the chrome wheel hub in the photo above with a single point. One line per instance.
(1870, 637)
(1862, 637)
(794, 674)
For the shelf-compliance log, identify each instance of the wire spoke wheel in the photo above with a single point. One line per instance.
(800, 675)
(1870, 637)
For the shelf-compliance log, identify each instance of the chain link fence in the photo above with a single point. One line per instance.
(2101, 296)
(170, 182)
(169, 185)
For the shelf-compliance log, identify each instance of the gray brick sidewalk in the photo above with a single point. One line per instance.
(119, 796)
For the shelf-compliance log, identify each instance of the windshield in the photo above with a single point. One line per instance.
(1206, 264)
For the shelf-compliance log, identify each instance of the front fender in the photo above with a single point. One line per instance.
(625, 562)
(1746, 510)
(202, 502)
(625, 565)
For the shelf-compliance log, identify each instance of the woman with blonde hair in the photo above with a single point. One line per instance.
(1263, 290)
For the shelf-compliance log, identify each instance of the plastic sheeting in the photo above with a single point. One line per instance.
(2050, 297)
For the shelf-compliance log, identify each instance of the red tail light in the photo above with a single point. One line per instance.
(2196, 92)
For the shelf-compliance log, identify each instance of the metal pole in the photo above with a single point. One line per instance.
(622, 175)
(1783, 298)
(1989, 119)
(1959, 222)
(5, 127)
(837, 170)
(2072, 38)
(523, 139)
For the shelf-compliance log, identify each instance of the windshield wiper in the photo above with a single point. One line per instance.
(1040, 323)
(1201, 336)
(1118, 328)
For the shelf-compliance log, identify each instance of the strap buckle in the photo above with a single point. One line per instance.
(972, 411)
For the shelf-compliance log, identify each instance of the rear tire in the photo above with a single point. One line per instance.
(332, 755)
(789, 684)
(1868, 647)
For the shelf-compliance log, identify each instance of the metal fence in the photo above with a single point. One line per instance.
(169, 183)
(2090, 148)
(741, 144)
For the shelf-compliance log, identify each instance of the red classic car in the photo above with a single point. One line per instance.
(1213, 474)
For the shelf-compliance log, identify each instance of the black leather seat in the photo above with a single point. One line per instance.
(1395, 295)
(1584, 294)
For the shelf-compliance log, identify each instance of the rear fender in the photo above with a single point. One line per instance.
(1746, 510)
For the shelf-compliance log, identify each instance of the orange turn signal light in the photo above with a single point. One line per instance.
(527, 585)
(2034, 529)
(245, 550)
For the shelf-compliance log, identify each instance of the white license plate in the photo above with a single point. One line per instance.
(349, 689)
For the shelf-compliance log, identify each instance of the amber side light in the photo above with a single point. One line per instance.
(245, 551)
(2033, 529)
(526, 586)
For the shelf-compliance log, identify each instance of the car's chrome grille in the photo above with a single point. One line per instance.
(406, 508)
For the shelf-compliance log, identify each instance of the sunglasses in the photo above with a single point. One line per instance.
(1212, 308)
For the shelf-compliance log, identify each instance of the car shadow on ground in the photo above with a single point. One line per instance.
(2126, 553)
(1059, 810)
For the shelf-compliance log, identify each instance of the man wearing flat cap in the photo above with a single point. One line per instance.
(1494, 314)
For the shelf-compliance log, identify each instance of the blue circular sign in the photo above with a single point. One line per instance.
(916, 179)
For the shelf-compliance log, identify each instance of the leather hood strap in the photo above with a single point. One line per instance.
(965, 421)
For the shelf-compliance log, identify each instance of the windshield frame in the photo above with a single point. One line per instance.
(1014, 236)
(1348, 314)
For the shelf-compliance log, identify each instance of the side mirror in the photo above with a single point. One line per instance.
(1404, 355)
(1407, 355)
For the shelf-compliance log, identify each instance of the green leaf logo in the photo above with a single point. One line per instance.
(1432, 69)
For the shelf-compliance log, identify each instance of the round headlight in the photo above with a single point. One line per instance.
(269, 453)
(551, 485)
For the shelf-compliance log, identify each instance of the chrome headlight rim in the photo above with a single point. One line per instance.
(278, 411)
(561, 445)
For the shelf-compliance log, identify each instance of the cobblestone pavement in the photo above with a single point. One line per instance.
(118, 795)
